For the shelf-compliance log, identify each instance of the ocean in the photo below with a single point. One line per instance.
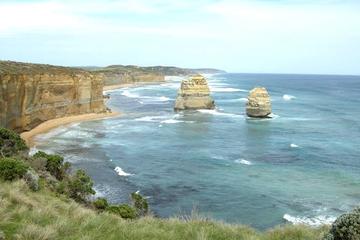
(300, 166)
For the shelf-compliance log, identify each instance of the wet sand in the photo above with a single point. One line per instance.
(57, 122)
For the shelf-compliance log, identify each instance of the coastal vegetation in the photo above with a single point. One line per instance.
(41, 197)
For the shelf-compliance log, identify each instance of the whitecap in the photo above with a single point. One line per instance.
(243, 161)
(170, 121)
(242, 99)
(273, 116)
(127, 93)
(120, 172)
(287, 97)
(162, 98)
(215, 112)
(293, 145)
(149, 118)
(226, 89)
(312, 221)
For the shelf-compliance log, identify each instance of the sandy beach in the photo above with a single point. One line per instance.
(57, 122)
(53, 123)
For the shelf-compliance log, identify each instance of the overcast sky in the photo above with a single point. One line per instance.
(259, 36)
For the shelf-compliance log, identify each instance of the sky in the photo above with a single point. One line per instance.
(250, 36)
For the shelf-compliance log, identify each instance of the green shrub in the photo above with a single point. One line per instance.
(140, 203)
(61, 187)
(32, 180)
(11, 169)
(80, 186)
(54, 164)
(123, 210)
(11, 143)
(346, 227)
(101, 203)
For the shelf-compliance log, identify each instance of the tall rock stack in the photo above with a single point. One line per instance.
(259, 103)
(194, 93)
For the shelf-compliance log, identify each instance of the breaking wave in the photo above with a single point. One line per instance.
(217, 113)
(227, 89)
(243, 161)
(121, 172)
(169, 121)
(293, 145)
(150, 118)
(312, 221)
(288, 97)
(127, 93)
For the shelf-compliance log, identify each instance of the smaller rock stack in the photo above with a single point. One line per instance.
(259, 103)
(194, 93)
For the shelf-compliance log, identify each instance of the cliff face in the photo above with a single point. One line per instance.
(115, 78)
(32, 93)
(194, 94)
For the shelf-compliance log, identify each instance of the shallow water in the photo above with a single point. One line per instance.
(301, 166)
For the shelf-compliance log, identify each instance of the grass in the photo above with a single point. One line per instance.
(43, 215)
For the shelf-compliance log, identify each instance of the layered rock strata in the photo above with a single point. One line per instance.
(259, 103)
(33, 93)
(194, 93)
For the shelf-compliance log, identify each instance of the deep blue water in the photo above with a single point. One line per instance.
(302, 165)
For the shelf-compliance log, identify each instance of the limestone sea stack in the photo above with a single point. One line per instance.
(194, 93)
(259, 103)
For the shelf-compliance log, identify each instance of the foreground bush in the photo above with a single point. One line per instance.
(11, 143)
(346, 227)
(80, 186)
(54, 164)
(101, 203)
(11, 169)
(123, 210)
(140, 204)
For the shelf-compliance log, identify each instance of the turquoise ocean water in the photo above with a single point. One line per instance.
(301, 166)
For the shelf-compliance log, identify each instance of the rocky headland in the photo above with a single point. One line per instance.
(116, 75)
(259, 103)
(34, 93)
(194, 93)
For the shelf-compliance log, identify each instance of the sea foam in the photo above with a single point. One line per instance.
(170, 121)
(217, 113)
(121, 172)
(243, 161)
(293, 145)
(312, 221)
(287, 97)
(226, 89)
(127, 93)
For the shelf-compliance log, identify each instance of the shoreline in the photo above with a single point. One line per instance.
(48, 125)
(135, 84)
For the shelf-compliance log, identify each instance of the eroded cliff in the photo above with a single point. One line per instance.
(118, 74)
(33, 93)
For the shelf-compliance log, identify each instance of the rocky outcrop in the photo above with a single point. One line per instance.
(33, 93)
(194, 94)
(259, 103)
